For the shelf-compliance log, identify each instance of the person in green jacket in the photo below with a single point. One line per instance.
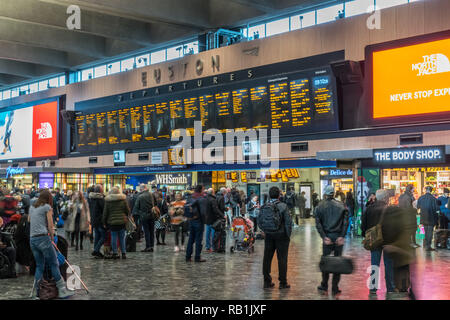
(115, 217)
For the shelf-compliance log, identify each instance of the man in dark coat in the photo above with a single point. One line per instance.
(197, 224)
(427, 204)
(405, 202)
(331, 223)
(212, 215)
(96, 206)
(143, 206)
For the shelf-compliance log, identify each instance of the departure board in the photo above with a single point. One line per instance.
(113, 126)
(279, 105)
(323, 96)
(91, 134)
(124, 126)
(81, 129)
(102, 130)
(260, 107)
(136, 127)
(224, 112)
(176, 116)
(191, 113)
(162, 120)
(297, 102)
(207, 105)
(241, 109)
(148, 113)
(300, 103)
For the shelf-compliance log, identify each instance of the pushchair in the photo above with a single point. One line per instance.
(243, 235)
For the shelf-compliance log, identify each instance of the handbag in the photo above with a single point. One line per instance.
(47, 289)
(332, 264)
(374, 236)
(130, 225)
(217, 225)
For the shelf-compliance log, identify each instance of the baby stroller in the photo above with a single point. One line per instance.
(243, 235)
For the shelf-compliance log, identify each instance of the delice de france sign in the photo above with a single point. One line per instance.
(410, 155)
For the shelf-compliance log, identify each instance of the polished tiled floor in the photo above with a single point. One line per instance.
(165, 274)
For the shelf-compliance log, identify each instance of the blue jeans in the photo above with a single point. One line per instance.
(196, 228)
(149, 232)
(350, 224)
(121, 235)
(209, 237)
(99, 238)
(45, 254)
(375, 259)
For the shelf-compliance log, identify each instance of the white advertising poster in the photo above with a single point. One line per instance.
(307, 190)
(16, 134)
(157, 157)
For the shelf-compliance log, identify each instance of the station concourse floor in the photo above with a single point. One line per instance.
(164, 274)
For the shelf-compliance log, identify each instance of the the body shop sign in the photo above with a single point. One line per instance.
(408, 156)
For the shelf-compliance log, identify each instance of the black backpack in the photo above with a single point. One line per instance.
(270, 220)
(290, 200)
(4, 266)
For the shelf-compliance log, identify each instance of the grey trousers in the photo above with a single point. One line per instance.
(428, 236)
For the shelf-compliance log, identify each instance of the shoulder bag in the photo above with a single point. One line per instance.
(374, 236)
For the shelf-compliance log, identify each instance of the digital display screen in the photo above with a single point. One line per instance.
(136, 127)
(102, 130)
(162, 120)
(119, 156)
(124, 126)
(241, 109)
(176, 116)
(91, 136)
(207, 105)
(113, 127)
(148, 113)
(279, 105)
(191, 113)
(322, 95)
(224, 112)
(300, 103)
(411, 80)
(260, 107)
(80, 120)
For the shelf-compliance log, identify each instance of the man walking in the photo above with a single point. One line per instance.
(427, 204)
(302, 205)
(220, 234)
(137, 217)
(331, 223)
(143, 206)
(405, 201)
(275, 222)
(199, 205)
(290, 202)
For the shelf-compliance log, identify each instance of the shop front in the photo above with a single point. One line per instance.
(341, 179)
(17, 177)
(171, 181)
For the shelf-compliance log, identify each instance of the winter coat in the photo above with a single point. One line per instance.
(331, 218)
(301, 201)
(212, 213)
(144, 203)
(85, 217)
(371, 216)
(96, 206)
(176, 211)
(116, 210)
(428, 210)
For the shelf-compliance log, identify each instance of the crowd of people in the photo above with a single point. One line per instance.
(113, 220)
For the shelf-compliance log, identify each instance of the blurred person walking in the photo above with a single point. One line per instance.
(162, 222)
(80, 222)
(405, 202)
(146, 207)
(178, 221)
(97, 205)
(198, 203)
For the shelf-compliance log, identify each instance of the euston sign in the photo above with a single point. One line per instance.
(410, 155)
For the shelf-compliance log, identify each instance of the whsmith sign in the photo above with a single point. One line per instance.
(176, 178)
(410, 156)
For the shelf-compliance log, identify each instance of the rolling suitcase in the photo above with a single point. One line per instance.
(131, 241)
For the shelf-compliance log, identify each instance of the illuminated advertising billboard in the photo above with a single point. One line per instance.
(30, 132)
(410, 80)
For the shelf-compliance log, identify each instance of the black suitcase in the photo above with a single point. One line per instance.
(440, 238)
(332, 264)
(402, 278)
(131, 241)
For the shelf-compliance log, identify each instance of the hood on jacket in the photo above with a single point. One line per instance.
(96, 195)
(115, 197)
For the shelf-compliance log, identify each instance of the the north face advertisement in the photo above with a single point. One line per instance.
(29, 132)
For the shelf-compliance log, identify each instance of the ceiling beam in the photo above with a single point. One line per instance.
(7, 79)
(266, 6)
(191, 14)
(27, 70)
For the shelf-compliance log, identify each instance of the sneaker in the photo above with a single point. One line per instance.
(200, 260)
(284, 286)
(322, 289)
(124, 256)
(269, 285)
(335, 291)
(115, 256)
(158, 243)
(176, 249)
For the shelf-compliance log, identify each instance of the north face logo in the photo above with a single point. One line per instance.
(432, 64)
(45, 131)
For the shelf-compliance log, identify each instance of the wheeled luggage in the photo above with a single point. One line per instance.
(332, 264)
(131, 240)
(440, 238)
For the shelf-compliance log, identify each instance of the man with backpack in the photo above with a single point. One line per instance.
(144, 208)
(275, 222)
(331, 223)
(195, 211)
